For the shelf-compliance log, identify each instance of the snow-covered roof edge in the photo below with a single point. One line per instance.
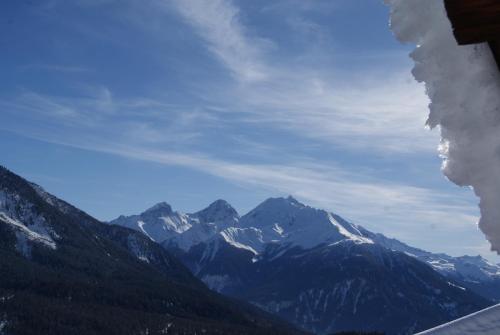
(484, 322)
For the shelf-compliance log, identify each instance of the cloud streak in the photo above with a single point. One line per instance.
(219, 24)
(374, 109)
(383, 116)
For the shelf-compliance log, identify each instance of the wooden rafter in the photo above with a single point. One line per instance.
(476, 21)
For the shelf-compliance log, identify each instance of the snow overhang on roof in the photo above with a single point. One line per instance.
(476, 21)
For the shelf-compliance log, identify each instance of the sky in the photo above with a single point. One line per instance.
(115, 105)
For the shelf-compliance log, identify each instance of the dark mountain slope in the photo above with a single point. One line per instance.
(63, 272)
(337, 287)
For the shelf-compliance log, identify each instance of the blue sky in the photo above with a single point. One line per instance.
(117, 105)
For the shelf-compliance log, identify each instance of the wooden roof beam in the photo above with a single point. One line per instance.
(476, 21)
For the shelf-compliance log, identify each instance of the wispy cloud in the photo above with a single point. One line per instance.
(372, 109)
(368, 113)
(96, 113)
(379, 110)
(218, 22)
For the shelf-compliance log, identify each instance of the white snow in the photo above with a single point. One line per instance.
(442, 265)
(178, 223)
(355, 235)
(469, 268)
(485, 322)
(463, 84)
(455, 285)
(250, 239)
(206, 224)
(159, 223)
(30, 233)
(141, 224)
(277, 228)
(286, 223)
(283, 221)
(289, 222)
(135, 247)
(198, 233)
(28, 226)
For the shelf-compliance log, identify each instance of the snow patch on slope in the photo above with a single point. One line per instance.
(137, 249)
(34, 233)
(198, 233)
(250, 239)
(178, 223)
(27, 225)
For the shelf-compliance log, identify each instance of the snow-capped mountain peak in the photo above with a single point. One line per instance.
(286, 220)
(159, 223)
(159, 208)
(273, 210)
(206, 224)
(282, 221)
(219, 210)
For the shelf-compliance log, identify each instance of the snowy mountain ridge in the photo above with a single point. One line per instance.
(159, 222)
(288, 223)
(283, 221)
(468, 268)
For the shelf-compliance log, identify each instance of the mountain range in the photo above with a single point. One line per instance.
(214, 272)
(317, 270)
(64, 272)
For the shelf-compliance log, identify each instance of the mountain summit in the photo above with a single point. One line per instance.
(161, 208)
(159, 222)
(218, 211)
(287, 221)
